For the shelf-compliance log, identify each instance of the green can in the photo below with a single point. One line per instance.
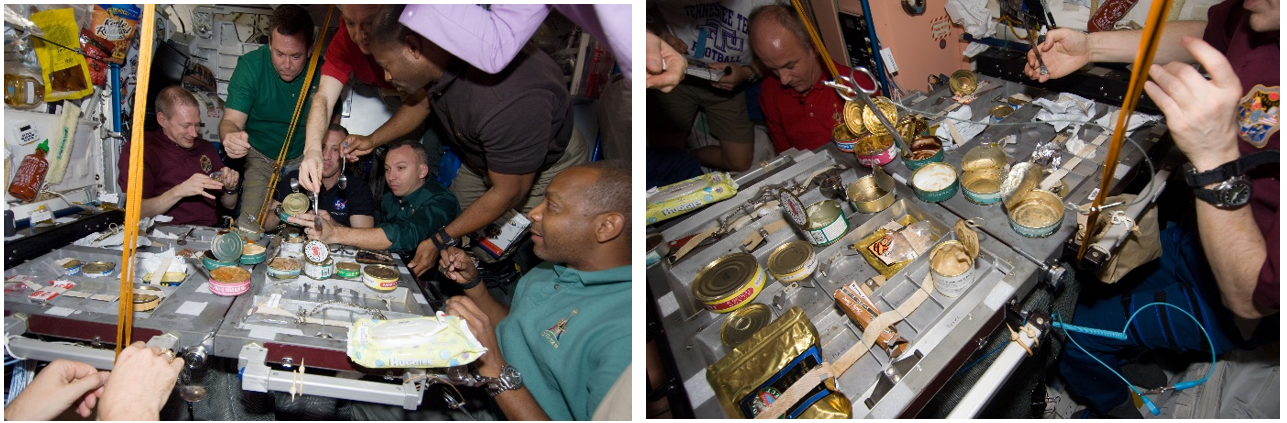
(348, 270)
(935, 182)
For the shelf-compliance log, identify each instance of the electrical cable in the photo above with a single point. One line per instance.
(1059, 323)
(980, 360)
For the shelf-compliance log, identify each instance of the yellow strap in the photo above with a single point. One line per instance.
(134, 193)
(817, 41)
(290, 130)
(1139, 74)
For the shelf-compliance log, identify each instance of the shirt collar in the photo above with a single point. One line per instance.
(602, 277)
(449, 75)
(413, 197)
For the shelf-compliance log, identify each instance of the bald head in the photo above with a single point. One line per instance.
(779, 40)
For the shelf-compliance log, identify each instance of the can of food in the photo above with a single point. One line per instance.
(728, 283)
(912, 126)
(827, 223)
(982, 187)
(294, 203)
(984, 157)
(875, 150)
(741, 324)
(1037, 215)
(843, 139)
(999, 113)
(348, 270)
(935, 182)
(98, 268)
(227, 247)
(253, 254)
(208, 259)
(953, 268)
(293, 246)
(872, 193)
(70, 265)
(963, 82)
(853, 118)
(873, 123)
(380, 277)
(792, 262)
(146, 298)
(284, 268)
(319, 269)
(923, 151)
(229, 281)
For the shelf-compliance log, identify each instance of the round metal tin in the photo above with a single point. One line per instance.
(792, 262)
(984, 157)
(843, 139)
(875, 150)
(295, 203)
(316, 251)
(872, 123)
(229, 281)
(963, 82)
(741, 324)
(935, 182)
(827, 223)
(227, 247)
(380, 277)
(293, 246)
(729, 282)
(912, 126)
(98, 268)
(319, 269)
(853, 118)
(348, 270)
(149, 301)
(953, 268)
(253, 254)
(793, 207)
(71, 266)
(1022, 179)
(283, 216)
(872, 193)
(1037, 215)
(284, 268)
(999, 113)
(923, 151)
(212, 263)
(982, 187)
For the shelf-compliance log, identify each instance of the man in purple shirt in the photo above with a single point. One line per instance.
(180, 169)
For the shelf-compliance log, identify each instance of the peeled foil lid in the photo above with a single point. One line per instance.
(872, 123)
(295, 203)
(1023, 178)
(854, 119)
(968, 237)
(963, 82)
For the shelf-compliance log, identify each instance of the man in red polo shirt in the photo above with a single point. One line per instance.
(800, 111)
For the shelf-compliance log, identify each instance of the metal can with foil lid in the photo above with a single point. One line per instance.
(71, 266)
(741, 324)
(98, 268)
(982, 187)
(827, 223)
(853, 118)
(935, 182)
(348, 270)
(284, 268)
(875, 150)
(843, 139)
(872, 123)
(294, 203)
(229, 281)
(963, 82)
(380, 277)
(792, 262)
(953, 268)
(729, 282)
(872, 193)
(146, 298)
(922, 151)
(999, 113)
(1037, 215)
(293, 246)
(319, 269)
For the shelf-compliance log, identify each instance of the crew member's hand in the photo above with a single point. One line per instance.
(489, 364)
(1200, 114)
(142, 380)
(310, 171)
(674, 42)
(229, 178)
(1064, 52)
(307, 220)
(357, 145)
(457, 265)
(660, 77)
(426, 256)
(739, 75)
(236, 144)
(197, 185)
(56, 388)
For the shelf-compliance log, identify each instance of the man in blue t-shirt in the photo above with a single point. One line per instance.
(566, 337)
(353, 206)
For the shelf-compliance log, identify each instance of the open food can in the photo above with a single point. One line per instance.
(729, 282)
(935, 182)
(923, 151)
(826, 224)
(1037, 215)
(229, 281)
(982, 187)
(872, 193)
(792, 262)
(875, 150)
(952, 262)
(843, 138)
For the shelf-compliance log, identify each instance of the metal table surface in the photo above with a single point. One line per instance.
(943, 331)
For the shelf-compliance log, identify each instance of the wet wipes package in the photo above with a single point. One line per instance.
(423, 342)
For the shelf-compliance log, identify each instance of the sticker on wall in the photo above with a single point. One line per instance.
(940, 29)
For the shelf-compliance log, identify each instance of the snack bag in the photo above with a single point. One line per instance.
(65, 73)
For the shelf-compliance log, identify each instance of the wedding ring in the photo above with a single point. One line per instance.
(169, 353)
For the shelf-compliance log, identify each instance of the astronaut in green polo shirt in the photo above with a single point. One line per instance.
(409, 212)
(262, 95)
(566, 337)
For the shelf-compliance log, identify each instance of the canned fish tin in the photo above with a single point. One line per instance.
(253, 254)
(872, 193)
(792, 262)
(380, 277)
(827, 223)
(843, 139)
(284, 268)
(853, 118)
(319, 269)
(348, 270)
(98, 268)
(293, 246)
(982, 187)
(923, 151)
(148, 298)
(70, 265)
(728, 283)
(999, 113)
(935, 182)
(1037, 215)
(741, 324)
(875, 150)
(295, 203)
(963, 82)
(953, 268)
(229, 281)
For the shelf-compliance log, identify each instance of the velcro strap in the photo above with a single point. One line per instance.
(886, 319)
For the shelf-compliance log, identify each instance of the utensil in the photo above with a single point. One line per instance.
(183, 239)
(344, 179)
(317, 216)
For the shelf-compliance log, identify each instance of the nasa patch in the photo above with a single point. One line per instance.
(340, 204)
(1258, 115)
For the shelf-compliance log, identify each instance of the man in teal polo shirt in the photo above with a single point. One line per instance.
(262, 95)
(413, 209)
(566, 338)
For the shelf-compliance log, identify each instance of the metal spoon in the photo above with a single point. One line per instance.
(344, 179)
(183, 239)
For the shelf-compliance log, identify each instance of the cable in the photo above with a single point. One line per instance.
(1059, 323)
(984, 357)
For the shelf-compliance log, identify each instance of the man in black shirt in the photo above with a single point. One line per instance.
(353, 206)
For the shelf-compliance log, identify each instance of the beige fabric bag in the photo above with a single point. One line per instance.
(1142, 245)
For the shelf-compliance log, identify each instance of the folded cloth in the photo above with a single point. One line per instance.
(973, 15)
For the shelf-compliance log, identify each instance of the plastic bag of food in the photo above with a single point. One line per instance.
(439, 341)
(682, 197)
(65, 72)
(113, 26)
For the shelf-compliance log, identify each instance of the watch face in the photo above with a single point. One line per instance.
(511, 375)
(1236, 193)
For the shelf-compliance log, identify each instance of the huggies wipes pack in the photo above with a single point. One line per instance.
(423, 342)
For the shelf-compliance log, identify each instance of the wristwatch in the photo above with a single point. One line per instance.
(1229, 194)
(508, 380)
(1233, 189)
(755, 76)
(444, 241)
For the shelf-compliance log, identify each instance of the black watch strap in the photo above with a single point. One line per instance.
(1228, 170)
(472, 283)
(1208, 195)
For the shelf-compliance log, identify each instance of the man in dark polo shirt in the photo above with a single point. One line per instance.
(513, 130)
(353, 206)
(177, 165)
(413, 209)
